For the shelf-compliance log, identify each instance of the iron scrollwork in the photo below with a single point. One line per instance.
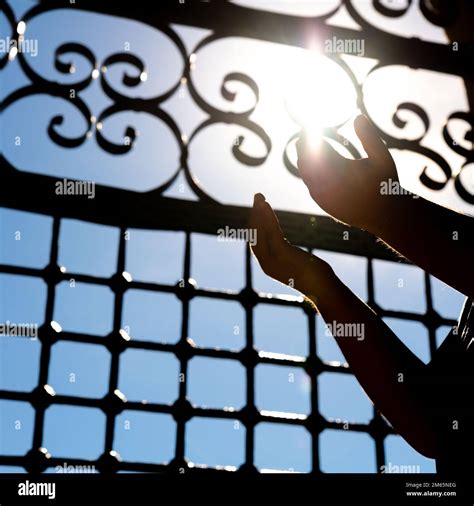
(121, 102)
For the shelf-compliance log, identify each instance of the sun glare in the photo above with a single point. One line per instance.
(317, 94)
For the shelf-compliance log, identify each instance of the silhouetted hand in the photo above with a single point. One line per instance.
(349, 190)
(278, 258)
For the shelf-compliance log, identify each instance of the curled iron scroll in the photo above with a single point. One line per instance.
(415, 145)
(468, 154)
(240, 118)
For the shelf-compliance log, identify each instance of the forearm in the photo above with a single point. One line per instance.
(438, 240)
(379, 360)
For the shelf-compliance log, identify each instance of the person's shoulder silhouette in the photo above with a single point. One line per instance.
(452, 373)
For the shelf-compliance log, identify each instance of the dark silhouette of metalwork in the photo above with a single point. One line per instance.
(151, 210)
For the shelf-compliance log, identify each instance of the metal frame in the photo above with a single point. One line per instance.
(35, 193)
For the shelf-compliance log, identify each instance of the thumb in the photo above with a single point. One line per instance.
(372, 143)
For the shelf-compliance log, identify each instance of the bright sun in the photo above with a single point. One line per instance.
(317, 93)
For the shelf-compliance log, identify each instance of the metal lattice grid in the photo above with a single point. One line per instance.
(182, 410)
(153, 211)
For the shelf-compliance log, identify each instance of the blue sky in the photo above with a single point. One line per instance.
(156, 256)
(153, 376)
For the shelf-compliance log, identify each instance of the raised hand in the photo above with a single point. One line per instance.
(420, 230)
(378, 357)
(349, 190)
(281, 260)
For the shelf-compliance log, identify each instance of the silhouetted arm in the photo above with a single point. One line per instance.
(433, 237)
(379, 360)
(438, 240)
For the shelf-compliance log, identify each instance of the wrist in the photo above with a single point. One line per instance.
(320, 278)
(394, 211)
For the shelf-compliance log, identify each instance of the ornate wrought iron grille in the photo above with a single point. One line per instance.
(125, 209)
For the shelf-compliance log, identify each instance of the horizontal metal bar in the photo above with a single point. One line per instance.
(124, 208)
